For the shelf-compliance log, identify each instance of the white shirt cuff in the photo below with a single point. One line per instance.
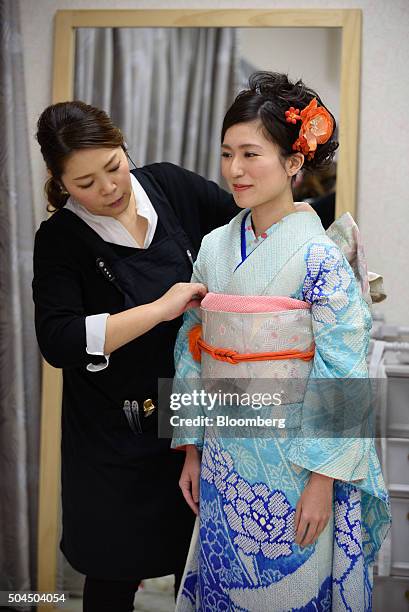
(95, 327)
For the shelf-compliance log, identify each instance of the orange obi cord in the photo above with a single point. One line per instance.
(197, 344)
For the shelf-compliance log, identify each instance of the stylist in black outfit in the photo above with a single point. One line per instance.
(108, 305)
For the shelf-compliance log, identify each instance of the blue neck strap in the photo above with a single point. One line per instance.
(243, 239)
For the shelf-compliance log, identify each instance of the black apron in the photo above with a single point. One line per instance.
(124, 516)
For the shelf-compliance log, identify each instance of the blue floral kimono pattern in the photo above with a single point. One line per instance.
(245, 557)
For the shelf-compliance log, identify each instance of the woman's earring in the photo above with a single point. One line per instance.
(63, 190)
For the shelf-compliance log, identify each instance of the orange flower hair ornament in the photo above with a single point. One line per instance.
(316, 128)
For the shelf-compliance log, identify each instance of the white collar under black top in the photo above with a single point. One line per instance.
(112, 230)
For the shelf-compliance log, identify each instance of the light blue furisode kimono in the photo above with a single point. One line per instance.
(243, 556)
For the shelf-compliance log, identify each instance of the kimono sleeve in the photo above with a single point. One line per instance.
(341, 323)
(59, 309)
(188, 371)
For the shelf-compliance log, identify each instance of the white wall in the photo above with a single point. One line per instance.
(383, 206)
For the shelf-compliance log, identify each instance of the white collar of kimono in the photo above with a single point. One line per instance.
(112, 230)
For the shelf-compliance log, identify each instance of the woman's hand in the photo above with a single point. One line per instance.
(180, 298)
(189, 478)
(125, 326)
(313, 509)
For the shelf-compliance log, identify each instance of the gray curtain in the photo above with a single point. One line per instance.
(166, 88)
(244, 70)
(19, 356)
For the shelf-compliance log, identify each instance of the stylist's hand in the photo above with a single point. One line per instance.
(313, 509)
(179, 298)
(190, 476)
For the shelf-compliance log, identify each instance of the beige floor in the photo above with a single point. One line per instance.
(155, 596)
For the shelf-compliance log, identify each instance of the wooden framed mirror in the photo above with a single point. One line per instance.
(66, 24)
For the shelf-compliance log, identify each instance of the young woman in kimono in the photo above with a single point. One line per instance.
(285, 522)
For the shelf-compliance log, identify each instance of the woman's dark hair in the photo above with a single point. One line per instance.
(67, 127)
(269, 95)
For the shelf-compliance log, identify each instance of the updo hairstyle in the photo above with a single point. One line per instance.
(269, 95)
(67, 127)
